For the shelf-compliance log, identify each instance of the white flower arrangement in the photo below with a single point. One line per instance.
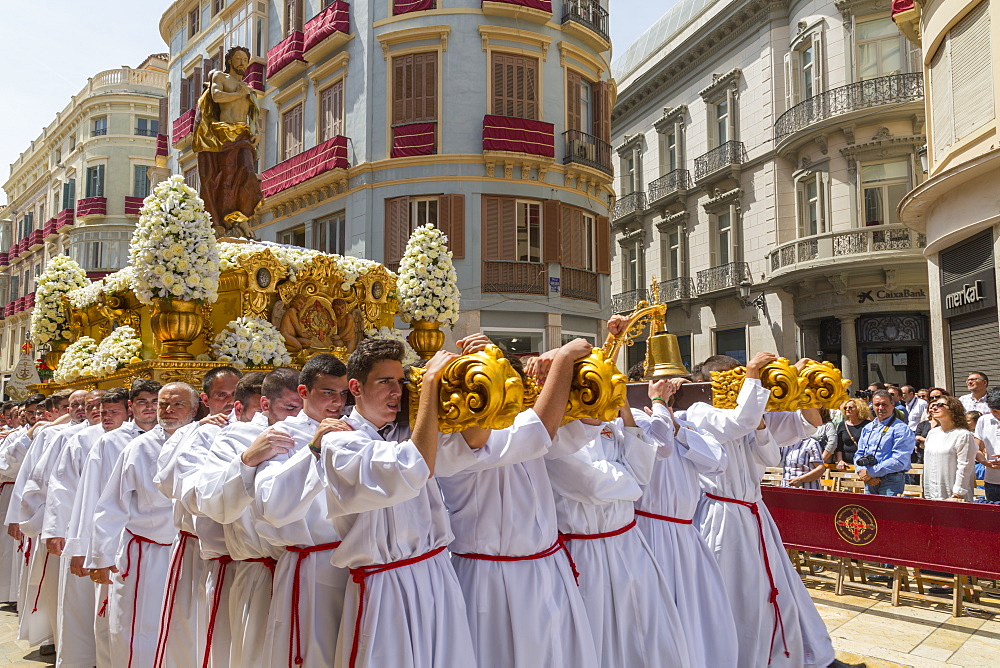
(115, 351)
(75, 362)
(48, 321)
(173, 249)
(410, 356)
(251, 342)
(428, 285)
(89, 295)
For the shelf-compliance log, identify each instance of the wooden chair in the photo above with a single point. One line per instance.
(961, 588)
(915, 490)
(772, 476)
(980, 491)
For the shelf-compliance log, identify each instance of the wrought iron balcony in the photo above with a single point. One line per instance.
(892, 89)
(586, 149)
(590, 14)
(580, 284)
(629, 205)
(720, 160)
(525, 278)
(723, 277)
(846, 246)
(672, 184)
(626, 302)
(677, 288)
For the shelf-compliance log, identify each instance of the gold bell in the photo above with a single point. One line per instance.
(663, 356)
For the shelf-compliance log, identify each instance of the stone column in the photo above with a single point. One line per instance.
(849, 362)
(553, 331)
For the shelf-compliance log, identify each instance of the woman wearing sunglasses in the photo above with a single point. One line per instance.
(949, 453)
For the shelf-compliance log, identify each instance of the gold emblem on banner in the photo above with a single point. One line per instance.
(855, 524)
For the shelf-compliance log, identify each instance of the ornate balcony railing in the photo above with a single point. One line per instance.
(673, 182)
(844, 246)
(719, 158)
(586, 149)
(580, 284)
(723, 277)
(525, 278)
(677, 288)
(892, 89)
(626, 302)
(630, 204)
(589, 13)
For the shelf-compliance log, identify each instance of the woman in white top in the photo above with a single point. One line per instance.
(949, 453)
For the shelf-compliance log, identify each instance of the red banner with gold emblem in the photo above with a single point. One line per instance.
(939, 535)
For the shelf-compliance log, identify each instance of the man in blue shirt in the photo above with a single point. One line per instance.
(884, 449)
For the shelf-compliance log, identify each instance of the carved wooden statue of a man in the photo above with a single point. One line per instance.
(225, 139)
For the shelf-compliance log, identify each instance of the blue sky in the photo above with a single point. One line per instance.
(48, 49)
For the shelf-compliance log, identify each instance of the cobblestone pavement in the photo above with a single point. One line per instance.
(864, 627)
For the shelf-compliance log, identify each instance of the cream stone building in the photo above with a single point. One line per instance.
(763, 147)
(957, 207)
(78, 187)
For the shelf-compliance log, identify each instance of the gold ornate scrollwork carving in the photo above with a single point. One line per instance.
(826, 386)
(818, 385)
(597, 390)
(476, 390)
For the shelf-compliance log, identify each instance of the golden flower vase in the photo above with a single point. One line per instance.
(176, 324)
(426, 338)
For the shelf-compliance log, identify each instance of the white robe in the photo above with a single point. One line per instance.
(96, 470)
(190, 595)
(77, 608)
(521, 613)
(679, 549)
(290, 515)
(382, 501)
(631, 609)
(130, 505)
(733, 535)
(11, 560)
(40, 597)
(223, 491)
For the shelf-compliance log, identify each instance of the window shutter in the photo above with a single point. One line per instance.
(573, 117)
(195, 91)
(818, 62)
(971, 71)
(508, 229)
(552, 233)
(602, 110)
(530, 69)
(164, 115)
(515, 86)
(499, 85)
(790, 78)
(491, 228)
(99, 187)
(425, 89)
(337, 104)
(942, 123)
(397, 228)
(185, 95)
(451, 221)
(400, 70)
(207, 65)
(602, 234)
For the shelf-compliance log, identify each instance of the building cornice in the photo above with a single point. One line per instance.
(630, 143)
(696, 52)
(721, 82)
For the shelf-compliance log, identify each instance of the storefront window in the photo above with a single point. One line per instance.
(518, 343)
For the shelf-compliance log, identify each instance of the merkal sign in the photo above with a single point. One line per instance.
(967, 296)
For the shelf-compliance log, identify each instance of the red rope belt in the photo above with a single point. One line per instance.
(45, 566)
(138, 540)
(559, 545)
(270, 562)
(26, 549)
(295, 626)
(773, 596)
(170, 595)
(361, 573)
(220, 582)
(665, 518)
(3, 486)
(595, 536)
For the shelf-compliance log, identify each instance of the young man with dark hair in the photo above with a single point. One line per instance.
(223, 492)
(96, 469)
(380, 487)
(523, 604)
(308, 595)
(246, 399)
(133, 532)
(189, 591)
(776, 620)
